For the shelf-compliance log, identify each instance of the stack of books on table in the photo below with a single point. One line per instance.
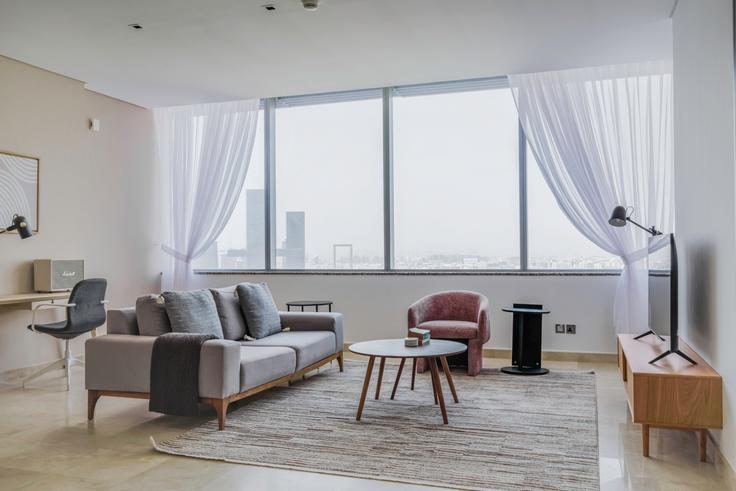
(417, 337)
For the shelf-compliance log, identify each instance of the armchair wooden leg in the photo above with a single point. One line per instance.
(92, 397)
(340, 361)
(220, 406)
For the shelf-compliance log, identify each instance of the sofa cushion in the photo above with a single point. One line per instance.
(259, 309)
(262, 364)
(310, 346)
(151, 315)
(451, 329)
(192, 312)
(231, 317)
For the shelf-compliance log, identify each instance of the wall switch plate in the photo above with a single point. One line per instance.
(571, 328)
(560, 328)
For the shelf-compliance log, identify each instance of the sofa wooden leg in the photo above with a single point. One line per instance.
(92, 397)
(340, 361)
(221, 410)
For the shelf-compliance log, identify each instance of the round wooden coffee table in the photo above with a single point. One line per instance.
(436, 349)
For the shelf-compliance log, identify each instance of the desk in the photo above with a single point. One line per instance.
(24, 301)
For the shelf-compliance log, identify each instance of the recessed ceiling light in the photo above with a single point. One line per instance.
(136, 27)
(270, 7)
(310, 4)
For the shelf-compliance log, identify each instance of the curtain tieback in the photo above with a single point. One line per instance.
(176, 254)
(635, 256)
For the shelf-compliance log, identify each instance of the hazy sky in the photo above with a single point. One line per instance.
(455, 179)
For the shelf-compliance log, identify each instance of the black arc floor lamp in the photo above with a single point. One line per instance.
(20, 224)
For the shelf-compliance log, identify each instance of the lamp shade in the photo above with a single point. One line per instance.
(618, 217)
(21, 225)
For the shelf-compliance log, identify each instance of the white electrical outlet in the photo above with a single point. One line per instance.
(559, 328)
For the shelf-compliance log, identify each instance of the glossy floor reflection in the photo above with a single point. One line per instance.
(48, 444)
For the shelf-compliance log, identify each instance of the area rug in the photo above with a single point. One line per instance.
(507, 433)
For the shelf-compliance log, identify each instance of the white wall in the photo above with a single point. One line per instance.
(705, 187)
(97, 196)
(191, 51)
(375, 305)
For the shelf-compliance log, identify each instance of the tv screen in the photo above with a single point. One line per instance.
(662, 263)
(660, 284)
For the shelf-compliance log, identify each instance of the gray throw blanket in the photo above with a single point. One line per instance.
(175, 373)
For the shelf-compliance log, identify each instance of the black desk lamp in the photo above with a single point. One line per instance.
(20, 224)
(619, 219)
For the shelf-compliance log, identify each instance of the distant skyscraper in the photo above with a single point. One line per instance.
(293, 248)
(255, 228)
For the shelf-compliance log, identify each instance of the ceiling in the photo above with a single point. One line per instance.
(192, 51)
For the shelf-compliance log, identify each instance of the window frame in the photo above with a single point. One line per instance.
(386, 94)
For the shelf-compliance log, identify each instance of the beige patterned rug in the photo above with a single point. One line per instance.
(507, 433)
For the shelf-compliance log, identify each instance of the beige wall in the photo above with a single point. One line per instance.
(96, 201)
(704, 191)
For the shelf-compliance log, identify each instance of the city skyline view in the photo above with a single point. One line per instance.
(455, 183)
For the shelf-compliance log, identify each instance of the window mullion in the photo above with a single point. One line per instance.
(388, 181)
(523, 223)
(270, 182)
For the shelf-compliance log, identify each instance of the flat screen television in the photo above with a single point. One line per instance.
(662, 264)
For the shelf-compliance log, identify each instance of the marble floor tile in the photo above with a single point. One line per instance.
(47, 443)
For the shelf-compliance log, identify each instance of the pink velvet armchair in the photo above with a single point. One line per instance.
(454, 315)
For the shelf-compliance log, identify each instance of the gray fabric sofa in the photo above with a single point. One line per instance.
(119, 363)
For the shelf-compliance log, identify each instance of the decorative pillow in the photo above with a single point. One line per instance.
(259, 309)
(231, 317)
(193, 312)
(151, 315)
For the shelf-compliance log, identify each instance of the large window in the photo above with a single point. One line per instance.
(242, 244)
(554, 243)
(420, 177)
(329, 185)
(456, 180)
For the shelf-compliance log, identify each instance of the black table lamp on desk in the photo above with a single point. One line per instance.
(20, 224)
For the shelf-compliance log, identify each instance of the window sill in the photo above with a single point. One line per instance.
(344, 272)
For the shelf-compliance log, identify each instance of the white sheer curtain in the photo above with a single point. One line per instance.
(603, 137)
(204, 151)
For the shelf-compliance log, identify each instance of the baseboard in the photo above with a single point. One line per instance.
(557, 355)
(547, 355)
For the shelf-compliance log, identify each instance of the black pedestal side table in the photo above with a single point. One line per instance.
(526, 350)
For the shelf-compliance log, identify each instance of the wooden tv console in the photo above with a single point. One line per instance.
(671, 393)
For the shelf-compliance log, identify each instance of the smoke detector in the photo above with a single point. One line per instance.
(310, 4)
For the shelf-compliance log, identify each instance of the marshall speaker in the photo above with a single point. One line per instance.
(54, 275)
